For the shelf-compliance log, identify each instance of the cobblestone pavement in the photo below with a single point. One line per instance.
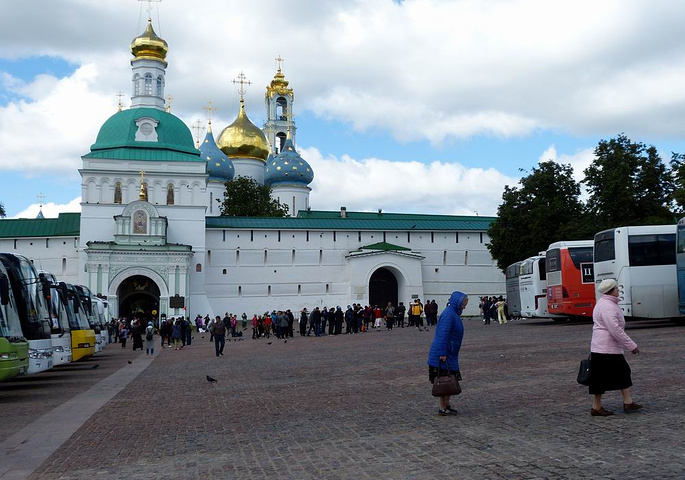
(359, 407)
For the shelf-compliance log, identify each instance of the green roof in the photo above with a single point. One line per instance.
(125, 153)
(66, 225)
(331, 220)
(118, 134)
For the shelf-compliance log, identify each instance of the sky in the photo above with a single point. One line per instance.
(416, 106)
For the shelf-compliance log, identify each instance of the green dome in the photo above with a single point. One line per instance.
(120, 131)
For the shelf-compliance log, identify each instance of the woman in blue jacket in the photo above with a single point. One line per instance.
(446, 344)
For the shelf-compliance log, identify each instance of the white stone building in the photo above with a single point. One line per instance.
(149, 237)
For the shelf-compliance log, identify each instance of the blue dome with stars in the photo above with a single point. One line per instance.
(288, 167)
(219, 167)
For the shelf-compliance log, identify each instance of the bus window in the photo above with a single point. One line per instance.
(543, 271)
(554, 260)
(580, 255)
(604, 246)
(527, 267)
(681, 239)
(645, 250)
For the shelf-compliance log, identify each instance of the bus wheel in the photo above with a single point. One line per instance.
(560, 319)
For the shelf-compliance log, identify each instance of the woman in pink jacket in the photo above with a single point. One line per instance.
(610, 371)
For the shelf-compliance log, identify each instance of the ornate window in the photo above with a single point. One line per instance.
(117, 192)
(170, 194)
(160, 86)
(148, 84)
(136, 84)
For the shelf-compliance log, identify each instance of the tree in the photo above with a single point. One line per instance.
(545, 209)
(3, 214)
(628, 184)
(244, 197)
(678, 179)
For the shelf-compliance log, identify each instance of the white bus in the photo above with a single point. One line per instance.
(643, 261)
(533, 287)
(59, 318)
(512, 274)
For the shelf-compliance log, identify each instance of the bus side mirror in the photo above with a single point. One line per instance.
(4, 289)
(63, 294)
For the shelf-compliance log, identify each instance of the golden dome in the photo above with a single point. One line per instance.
(149, 45)
(243, 139)
(279, 86)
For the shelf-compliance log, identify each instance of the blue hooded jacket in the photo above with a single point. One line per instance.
(448, 334)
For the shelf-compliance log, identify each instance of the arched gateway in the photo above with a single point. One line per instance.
(383, 288)
(138, 297)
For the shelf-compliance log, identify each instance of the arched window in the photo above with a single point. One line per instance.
(64, 266)
(117, 192)
(160, 86)
(148, 84)
(170, 194)
(136, 84)
(281, 141)
(281, 108)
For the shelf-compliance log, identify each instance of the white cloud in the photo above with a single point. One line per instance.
(50, 210)
(372, 183)
(579, 161)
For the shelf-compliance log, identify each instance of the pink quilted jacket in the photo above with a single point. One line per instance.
(608, 332)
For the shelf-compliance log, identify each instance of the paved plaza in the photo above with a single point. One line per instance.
(359, 407)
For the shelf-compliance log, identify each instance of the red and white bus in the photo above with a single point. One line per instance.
(571, 278)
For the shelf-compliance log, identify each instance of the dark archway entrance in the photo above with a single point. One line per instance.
(138, 297)
(382, 288)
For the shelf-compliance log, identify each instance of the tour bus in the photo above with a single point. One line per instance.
(101, 311)
(570, 278)
(59, 320)
(533, 287)
(83, 339)
(33, 312)
(680, 264)
(91, 316)
(14, 349)
(513, 294)
(642, 259)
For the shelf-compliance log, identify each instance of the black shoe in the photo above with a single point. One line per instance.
(602, 412)
(631, 407)
(451, 410)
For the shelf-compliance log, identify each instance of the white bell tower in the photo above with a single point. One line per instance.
(279, 100)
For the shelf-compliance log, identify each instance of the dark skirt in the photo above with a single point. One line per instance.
(433, 373)
(609, 371)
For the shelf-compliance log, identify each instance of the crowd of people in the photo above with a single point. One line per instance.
(494, 309)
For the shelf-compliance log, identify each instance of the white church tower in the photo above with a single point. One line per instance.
(279, 99)
(149, 69)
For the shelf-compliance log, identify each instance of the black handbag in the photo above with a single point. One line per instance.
(585, 371)
(445, 385)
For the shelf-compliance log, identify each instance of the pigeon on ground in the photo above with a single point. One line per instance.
(285, 341)
(130, 362)
(269, 343)
(211, 380)
(95, 366)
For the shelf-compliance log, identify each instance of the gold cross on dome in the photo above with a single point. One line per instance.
(242, 82)
(120, 104)
(40, 198)
(210, 111)
(169, 99)
(279, 62)
(149, 6)
(142, 176)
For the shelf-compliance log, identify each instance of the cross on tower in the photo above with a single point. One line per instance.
(120, 104)
(242, 82)
(40, 198)
(198, 128)
(210, 111)
(169, 99)
(149, 6)
(279, 62)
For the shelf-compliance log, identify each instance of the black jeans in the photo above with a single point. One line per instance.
(219, 344)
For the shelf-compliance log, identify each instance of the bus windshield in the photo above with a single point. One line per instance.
(580, 255)
(10, 325)
(604, 246)
(27, 291)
